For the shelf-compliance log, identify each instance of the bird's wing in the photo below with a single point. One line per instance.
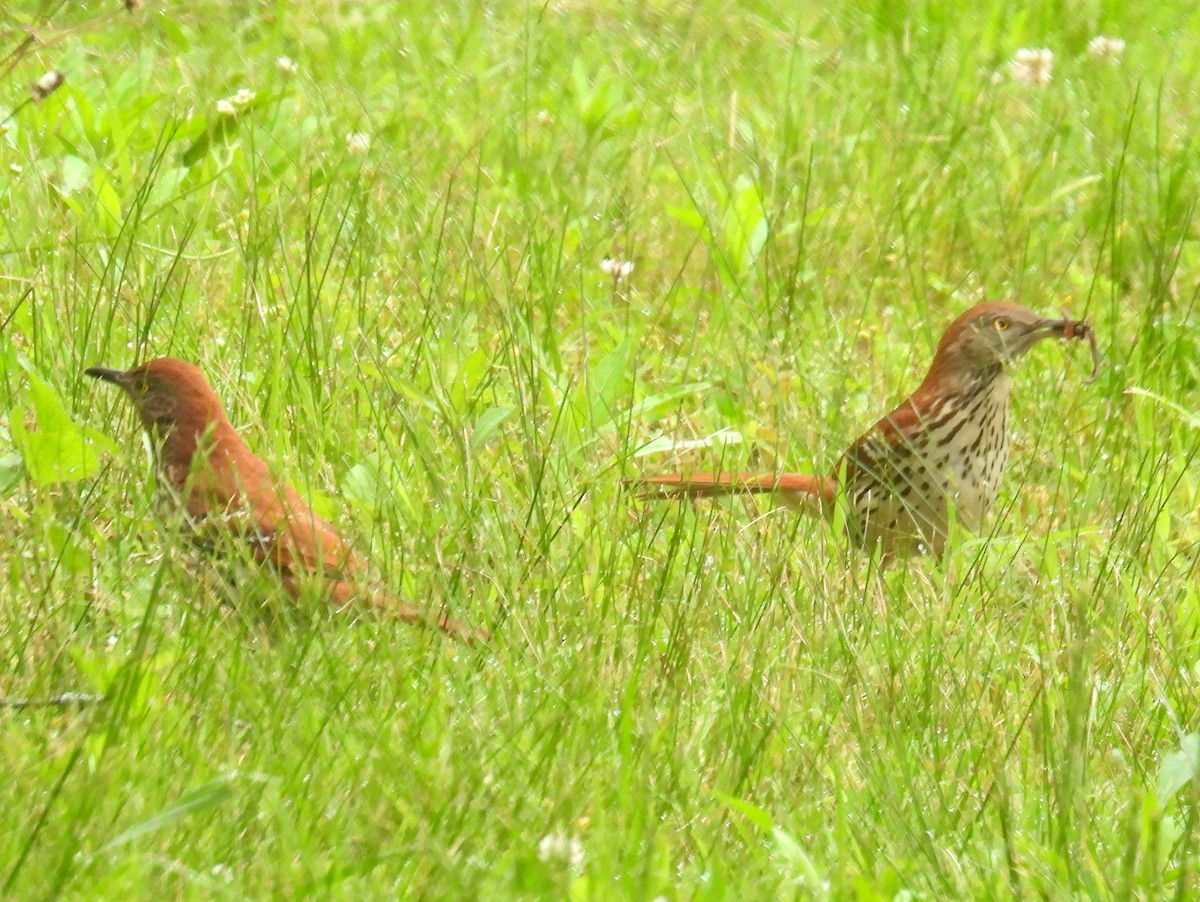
(892, 484)
(242, 500)
(296, 540)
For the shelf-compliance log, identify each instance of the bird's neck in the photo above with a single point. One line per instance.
(945, 379)
(188, 444)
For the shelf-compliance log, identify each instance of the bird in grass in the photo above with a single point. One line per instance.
(945, 447)
(225, 488)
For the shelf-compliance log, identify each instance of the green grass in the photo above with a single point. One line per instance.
(708, 702)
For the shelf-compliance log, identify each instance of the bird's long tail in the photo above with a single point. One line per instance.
(346, 595)
(456, 629)
(798, 490)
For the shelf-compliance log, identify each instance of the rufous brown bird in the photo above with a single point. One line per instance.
(224, 486)
(944, 447)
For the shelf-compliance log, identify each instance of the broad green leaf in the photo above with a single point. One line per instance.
(651, 405)
(487, 425)
(691, 218)
(606, 381)
(790, 851)
(12, 470)
(1178, 768)
(108, 204)
(664, 443)
(53, 457)
(59, 450)
(206, 795)
(744, 228)
(214, 133)
(75, 174)
(361, 486)
(66, 550)
(753, 813)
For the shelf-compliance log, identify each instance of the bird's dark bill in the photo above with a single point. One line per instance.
(100, 372)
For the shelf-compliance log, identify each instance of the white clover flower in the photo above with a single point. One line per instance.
(1103, 47)
(222, 872)
(562, 847)
(16, 168)
(1033, 66)
(46, 85)
(358, 143)
(545, 117)
(618, 269)
(286, 65)
(230, 106)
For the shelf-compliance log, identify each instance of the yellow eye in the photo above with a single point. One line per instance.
(1001, 324)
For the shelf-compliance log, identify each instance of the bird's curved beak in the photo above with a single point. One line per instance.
(1051, 327)
(1042, 329)
(1069, 330)
(116, 377)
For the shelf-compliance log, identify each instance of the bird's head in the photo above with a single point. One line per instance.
(167, 393)
(990, 336)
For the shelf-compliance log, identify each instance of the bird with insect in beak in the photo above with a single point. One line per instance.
(225, 486)
(943, 448)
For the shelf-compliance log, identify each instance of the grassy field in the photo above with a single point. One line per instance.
(381, 229)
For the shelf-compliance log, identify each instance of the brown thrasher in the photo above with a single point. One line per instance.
(945, 446)
(226, 487)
